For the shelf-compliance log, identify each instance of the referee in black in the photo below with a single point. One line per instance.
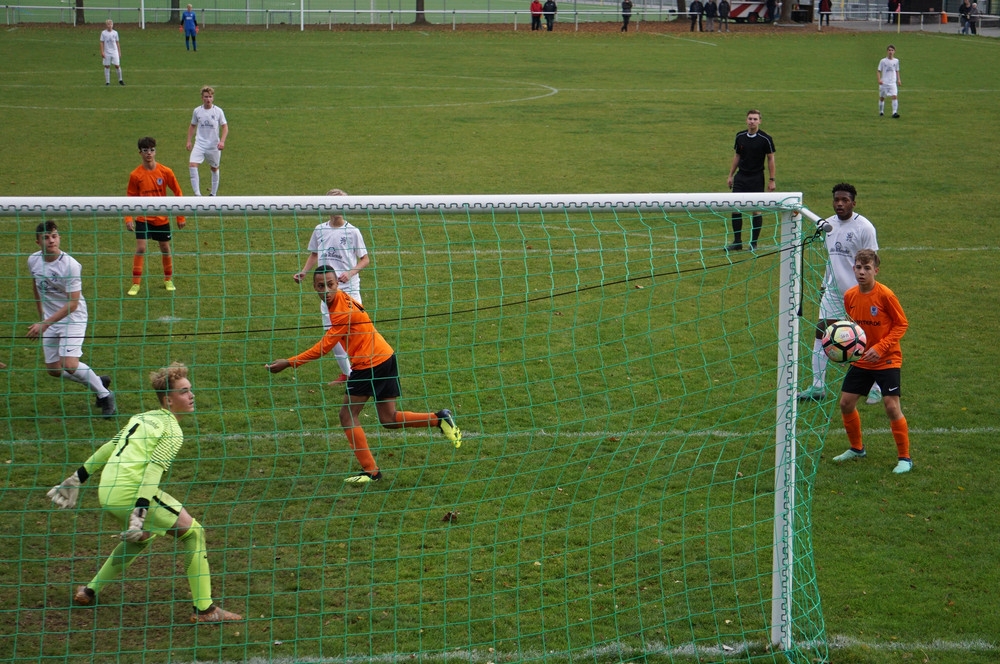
(753, 149)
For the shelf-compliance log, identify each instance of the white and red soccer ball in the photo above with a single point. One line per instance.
(844, 341)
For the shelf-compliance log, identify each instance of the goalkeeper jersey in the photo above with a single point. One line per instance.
(136, 458)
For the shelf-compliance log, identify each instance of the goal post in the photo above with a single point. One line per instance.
(634, 469)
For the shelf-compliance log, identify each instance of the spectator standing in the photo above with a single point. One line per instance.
(770, 10)
(549, 9)
(536, 15)
(974, 17)
(711, 11)
(894, 7)
(963, 16)
(825, 9)
(626, 14)
(695, 12)
(724, 10)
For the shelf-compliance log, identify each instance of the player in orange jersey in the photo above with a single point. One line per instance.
(876, 309)
(152, 179)
(373, 374)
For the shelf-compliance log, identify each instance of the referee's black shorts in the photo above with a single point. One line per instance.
(748, 182)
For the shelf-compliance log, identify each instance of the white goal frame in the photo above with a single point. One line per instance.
(792, 231)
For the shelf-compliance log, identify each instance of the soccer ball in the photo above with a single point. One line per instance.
(844, 341)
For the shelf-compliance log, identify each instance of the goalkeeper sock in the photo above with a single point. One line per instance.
(901, 434)
(198, 573)
(137, 264)
(195, 180)
(359, 443)
(168, 266)
(852, 425)
(116, 564)
(406, 419)
(737, 228)
(343, 360)
(215, 183)
(819, 362)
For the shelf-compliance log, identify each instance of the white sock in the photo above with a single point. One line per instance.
(342, 359)
(819, 361)
(119, 70)
(215, 182)
(895, 105)
(195, 180)
(107, 75)
(881, 107)
(86, 376)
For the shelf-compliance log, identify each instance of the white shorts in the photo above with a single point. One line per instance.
(111, 60)
(887, 90)
(63, 340)
(831, 306)
(211, 155)
(325, 311)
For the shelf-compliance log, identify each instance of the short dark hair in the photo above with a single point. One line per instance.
(866, 256)
(147, 142)
(323, 269)
(849, 188)
(45, 227)
(753, 111)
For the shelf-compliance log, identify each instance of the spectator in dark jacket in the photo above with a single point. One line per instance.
(694, 11)
(626, 14)
(549, 9)
(724, 14)
(711, 11)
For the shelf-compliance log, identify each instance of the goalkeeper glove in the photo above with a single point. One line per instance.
(135, 521)
(65, 494)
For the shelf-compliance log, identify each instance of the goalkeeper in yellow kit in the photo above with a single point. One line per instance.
(133, 463)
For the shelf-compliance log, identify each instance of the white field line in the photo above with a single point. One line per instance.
(621, 652)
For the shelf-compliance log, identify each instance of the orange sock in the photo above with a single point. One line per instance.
(852, 425)
(901, 434)
(168, 266)
(359, 443)
(137, 262)
(408, 419)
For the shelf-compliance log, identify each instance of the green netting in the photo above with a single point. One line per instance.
(615, 376)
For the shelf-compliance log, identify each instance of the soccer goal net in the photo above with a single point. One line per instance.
(634, 479)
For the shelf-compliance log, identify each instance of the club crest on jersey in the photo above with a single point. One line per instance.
(159, 182)
(874, 311)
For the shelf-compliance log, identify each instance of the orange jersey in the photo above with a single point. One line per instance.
(351, 327)
(144, 182)
(881, 317)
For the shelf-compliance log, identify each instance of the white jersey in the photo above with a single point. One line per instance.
(844, 242)
(340, 248)
(110, 40)
(887, 69)
(55, 281)
(209, 122)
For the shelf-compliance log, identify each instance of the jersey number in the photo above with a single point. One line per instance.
(127, 436)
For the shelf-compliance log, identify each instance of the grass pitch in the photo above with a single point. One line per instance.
(905, 565)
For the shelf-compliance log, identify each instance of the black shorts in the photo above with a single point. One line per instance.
(748, 182)
(380, 381)
(860, 381)
(144, 231)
